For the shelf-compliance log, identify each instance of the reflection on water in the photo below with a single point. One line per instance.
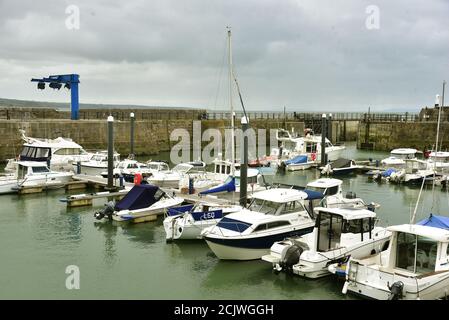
(40, 237)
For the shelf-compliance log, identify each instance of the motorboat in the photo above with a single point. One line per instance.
(398, 156)
(96, 165)
(188, 221)
(300, 162)
(339, 167)
(413, 173)
(33, 174)
(57, 153)
(439, 161)
(157, 166)
(339, 233)
(248, 234)
(128, 168)
(414, 266)
(171, 179)
(141, 202)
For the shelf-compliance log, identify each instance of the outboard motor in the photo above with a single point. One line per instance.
(291, 257)
(396, 290)
(371, 207)
(107, 211)
(351, 195)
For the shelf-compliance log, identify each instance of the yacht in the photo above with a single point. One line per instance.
(57, 153)
(33, 173)
(398, 156)
(338, 234)
(249, 233)
(439, 161)
(339, 167)
(187, 222)
(96, 164)
(141, 202)
(157, 166)
(414, 266)
(413, 173)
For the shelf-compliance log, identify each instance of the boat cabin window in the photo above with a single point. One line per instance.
(329, 231)
(40, 169)
(252, 180)
(271, 225)
(21, 172)
(67, 151)
(265, 206)
(42, 152)
(292, 206)
(132, 166)
(331, 191)
(416, 254)
(358, 226)
(311, 147)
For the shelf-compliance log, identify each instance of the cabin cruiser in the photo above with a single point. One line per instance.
(414, 266)
(187, 222)
(171, 179)
(96, 165)
(141, 202)
(339, 167)
(128, 168)
(398, 156)
(33, 173)
(249, 233)
(439, 161)
(309, 145)
(57, 153)
(413, 173)
(300, 162)
(157, 166)
(338, 234)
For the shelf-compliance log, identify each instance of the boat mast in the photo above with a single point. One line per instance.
(230, 103)
(440, 106)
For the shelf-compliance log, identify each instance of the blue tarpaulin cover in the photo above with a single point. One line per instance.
(227, 187)
(435, 221)
(312, 195)
(179, 210)
(388, 172)
(296, 160)
(140, 196)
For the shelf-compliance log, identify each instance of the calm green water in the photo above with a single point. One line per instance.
(39, 238)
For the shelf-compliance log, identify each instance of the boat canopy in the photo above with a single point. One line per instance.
(140, 196)
(297, 160)
(313, 195)
(179, 210)
(435, 221)
(226, 187)
(341, 163)
(388, 172)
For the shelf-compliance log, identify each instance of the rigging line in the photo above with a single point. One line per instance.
(240, 96)
(412, 220)
(220, 74)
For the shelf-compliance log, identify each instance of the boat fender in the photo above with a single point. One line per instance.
(396, 290)
(291, 257)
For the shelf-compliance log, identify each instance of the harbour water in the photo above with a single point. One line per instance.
(40, 237)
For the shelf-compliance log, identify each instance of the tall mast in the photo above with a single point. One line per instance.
(440, 106)
(230, 102)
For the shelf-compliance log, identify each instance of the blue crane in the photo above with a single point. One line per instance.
(70, 82)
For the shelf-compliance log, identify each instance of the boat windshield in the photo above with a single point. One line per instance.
(182, 168)
(265, 206)
(415, 253)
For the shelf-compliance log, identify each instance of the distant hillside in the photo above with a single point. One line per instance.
(14, 103)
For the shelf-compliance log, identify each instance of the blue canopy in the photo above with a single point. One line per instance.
(435, 221)
(174, 211)
(225, 187)
(313, 195)
(140, 196)
(296, 160)
(388, 172)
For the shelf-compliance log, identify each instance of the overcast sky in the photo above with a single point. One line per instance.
(305, 55)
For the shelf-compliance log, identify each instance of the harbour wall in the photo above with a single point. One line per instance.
(385, 136)
(151, 136)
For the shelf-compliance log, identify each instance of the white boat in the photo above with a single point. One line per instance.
(128, 168)
(339, 167)
(157, 166)
(339, 233)
(57, 153)
(141, 202)
(33, 173)
(398, 156)
(300, 162)
(439, 161)
(415, 266)
(413, 173)
(171, 179)
(187, 222)
(249, 233)
(96, 164)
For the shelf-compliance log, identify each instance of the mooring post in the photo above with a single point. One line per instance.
(131, 154)
(329, 128)
(110, 151)
(323, 139)
(244, 163)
